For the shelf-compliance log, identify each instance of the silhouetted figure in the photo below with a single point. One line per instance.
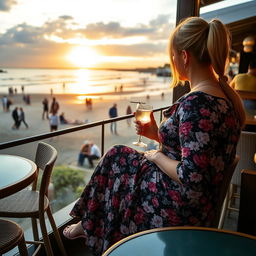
(128, 112)
(113, 113)
(54, 106)
(28, 100)
(88, 103)
(22, 118)
(15, 117)
(45, 103)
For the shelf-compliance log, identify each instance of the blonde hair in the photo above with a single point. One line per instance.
(210, 44)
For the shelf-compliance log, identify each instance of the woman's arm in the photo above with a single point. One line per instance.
(167, 165)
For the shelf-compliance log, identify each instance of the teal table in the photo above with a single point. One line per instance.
(183, 241)
(16, 173)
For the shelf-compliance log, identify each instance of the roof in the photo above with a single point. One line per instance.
(240, 19)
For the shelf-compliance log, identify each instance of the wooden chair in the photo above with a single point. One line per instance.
(11, 235)
(33, 204)
(246, 149)
(222, 201)
(247, 208)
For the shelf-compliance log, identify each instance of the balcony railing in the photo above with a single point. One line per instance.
(101, 123)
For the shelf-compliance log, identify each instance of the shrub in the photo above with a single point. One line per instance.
(65, 179)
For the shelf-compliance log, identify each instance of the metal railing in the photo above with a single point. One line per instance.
(101, 123)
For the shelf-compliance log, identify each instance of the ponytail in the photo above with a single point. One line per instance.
(218, 45)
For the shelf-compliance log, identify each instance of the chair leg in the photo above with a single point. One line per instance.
(56, 232)
(22, 247)
(224, 210)
(35, 229)
(230, 198)
(47, 244)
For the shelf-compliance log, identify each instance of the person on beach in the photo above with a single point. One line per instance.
(90, 151)
(28, 99)
(54, 106)
(4, 103)
(128, 112)
(45, 108)
(22, 118)
(112, 114)
(178, 184)
(53, 119)
(15, 116)
(63, 120)
(9, 103)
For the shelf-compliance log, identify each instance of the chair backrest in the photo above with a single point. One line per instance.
(223, 190)
(246, 148)
(46, 156)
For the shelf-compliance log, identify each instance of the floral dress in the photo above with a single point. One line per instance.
(127, 193)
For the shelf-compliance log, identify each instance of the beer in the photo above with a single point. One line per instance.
(143, 115)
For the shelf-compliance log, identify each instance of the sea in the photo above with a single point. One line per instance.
(82, 81)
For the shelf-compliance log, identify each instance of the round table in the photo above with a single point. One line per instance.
(179, 241)
(16, 173)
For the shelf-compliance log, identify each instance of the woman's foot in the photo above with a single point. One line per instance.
(74, 231)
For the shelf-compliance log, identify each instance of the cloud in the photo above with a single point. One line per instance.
(33, 44)
(157, 28)
(6, 5)
(21, 34)
(143, 49)
(113, 30)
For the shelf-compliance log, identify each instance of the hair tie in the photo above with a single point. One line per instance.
(223, 78)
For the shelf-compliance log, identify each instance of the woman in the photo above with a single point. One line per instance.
(178, 184)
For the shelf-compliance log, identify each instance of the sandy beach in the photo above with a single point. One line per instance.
(68, 145)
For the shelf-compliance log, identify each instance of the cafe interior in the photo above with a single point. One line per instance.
(234, 230)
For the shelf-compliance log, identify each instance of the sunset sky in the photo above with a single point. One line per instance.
(83, 33)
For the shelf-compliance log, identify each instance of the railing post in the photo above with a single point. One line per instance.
(102, 138)
(161, 115)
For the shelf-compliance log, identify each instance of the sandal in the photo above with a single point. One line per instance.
(67, 231)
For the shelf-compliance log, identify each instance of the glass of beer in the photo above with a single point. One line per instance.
(142, 114)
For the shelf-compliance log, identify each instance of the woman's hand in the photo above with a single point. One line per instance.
(149, 130)
(166, 165)
(151, 155)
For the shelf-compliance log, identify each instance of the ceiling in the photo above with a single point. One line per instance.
(240, 19)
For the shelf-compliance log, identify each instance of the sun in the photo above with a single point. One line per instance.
(83, 57)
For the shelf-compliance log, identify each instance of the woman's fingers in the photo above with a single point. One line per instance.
(138, 127)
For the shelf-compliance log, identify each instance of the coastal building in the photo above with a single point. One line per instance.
(164, 71)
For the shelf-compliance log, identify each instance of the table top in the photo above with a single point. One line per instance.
(181, 241)
(16, 173)
(247, 95)
(250, 119)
